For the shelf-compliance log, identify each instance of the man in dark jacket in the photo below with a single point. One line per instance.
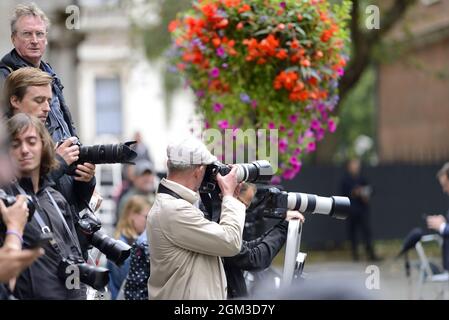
(255, 255)
(439, 222)
(29, 27)
(356, 188)
(32, 152)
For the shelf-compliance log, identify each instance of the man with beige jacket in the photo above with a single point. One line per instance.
(185, 247)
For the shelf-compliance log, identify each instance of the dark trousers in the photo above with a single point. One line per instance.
(360, 221)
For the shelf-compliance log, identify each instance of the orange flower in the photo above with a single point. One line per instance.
(294, 44)
(231, 3)
(282, 54)
(244, 8)
(287, 80)
(216, 42)
(305, 63)
(173, 25)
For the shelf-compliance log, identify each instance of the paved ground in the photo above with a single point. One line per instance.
(348, 280)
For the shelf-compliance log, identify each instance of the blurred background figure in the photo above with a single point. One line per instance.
(439, 222)
(143, 153)
(129, 227)
(143, 181)
(356, 187)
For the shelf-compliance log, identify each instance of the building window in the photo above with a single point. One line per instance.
(108, 105)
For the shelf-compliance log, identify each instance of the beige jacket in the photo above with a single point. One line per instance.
(185, 247)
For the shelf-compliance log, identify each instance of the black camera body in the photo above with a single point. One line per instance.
(96, 277)
(255, 172)
(103, 153)
(10, 200)
(114, 250)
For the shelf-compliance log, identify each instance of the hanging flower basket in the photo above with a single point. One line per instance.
(265, 64)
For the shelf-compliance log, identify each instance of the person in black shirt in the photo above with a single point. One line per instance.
(32, 153)
(257, 254)
(357, 189)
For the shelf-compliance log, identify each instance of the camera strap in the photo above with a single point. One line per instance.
(44, 228)
(164, 189)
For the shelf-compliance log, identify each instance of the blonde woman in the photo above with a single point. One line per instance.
(130, 225)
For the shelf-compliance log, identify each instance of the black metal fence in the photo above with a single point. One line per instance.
(402, 195)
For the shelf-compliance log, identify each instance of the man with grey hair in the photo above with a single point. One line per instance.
(439, 222)
(29, 28)
(185, 247)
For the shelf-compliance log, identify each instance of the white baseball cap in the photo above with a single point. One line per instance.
(189, 151)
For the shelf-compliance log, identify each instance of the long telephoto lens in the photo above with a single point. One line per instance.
(107, 153)
(258, 171)
(336, 207)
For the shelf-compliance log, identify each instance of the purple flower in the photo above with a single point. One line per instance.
(220, 52)
(215, 72)
(245, 98)
(341, 72)
(283, 144)
(271, 125)
(319, 134)
(200, 93)
(262, 19)
(282, 128)
(283, 5)
(290, 133)
(218, 107)
(331, 125)
(224, 66)
(311, 147)
(297, 152)
(308, 133)
(223, 124)
(206, 125)
(315, 124)
(288, 174)
(275, 180)
(254, 104)
(293, 118)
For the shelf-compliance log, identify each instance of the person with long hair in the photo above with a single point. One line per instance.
(130, 226)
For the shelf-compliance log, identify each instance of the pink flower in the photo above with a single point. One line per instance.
(220, 52)
(271, 125)
(293, 118)
(295, 163)
(288, 174)
(297, 151)
(214, 73)
(218, 107)
(309, 134)
(311, 147)
(315, 124)
(275, 180)
(283, 144)
(282, 127)
(223, 124)
(254, 104)
(331, 125)
(319, 134)
(290, 133)
(206, 125)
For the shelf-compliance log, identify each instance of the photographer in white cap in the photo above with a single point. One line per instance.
(186, 248)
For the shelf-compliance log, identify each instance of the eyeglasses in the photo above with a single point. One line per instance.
(28, 35)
